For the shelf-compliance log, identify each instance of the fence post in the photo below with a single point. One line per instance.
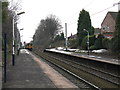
(5, 49)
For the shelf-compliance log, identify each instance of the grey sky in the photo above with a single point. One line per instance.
(66, 10)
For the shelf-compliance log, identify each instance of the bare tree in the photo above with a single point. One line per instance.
(9, 10)
(46, 31)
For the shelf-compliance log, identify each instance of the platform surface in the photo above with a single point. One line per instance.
(31, 72)
(91, 57)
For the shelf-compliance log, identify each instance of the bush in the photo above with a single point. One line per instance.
(115, 44)
(91, 41)
(92, 47)
(84, 43)
(119, 56)
(98, 42)
(73, 43)
(106, 43)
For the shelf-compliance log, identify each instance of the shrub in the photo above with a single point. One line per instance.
(115, 44)
(84, 43)
(98, 42)
(91, 41)
(92, 47)
(73, 43)
(106, 43)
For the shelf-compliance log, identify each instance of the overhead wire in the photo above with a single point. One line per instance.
(102, 10)
(70, 24)
(99, 12)
(87, 5)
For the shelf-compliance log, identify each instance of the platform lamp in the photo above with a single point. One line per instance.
(13, 49)
(87, 40)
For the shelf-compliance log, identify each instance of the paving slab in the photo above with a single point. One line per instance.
(26, 74)
(31, 72)
(59, 80)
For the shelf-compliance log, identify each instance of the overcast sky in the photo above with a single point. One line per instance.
(66, 10)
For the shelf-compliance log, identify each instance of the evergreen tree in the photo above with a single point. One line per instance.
(84, 22)
(62, 36)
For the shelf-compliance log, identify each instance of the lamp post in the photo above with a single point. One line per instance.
(66, 39)
(19, 41)
(13, 49)
(21, 36)
(87, 40)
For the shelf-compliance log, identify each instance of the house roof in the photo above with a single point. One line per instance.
(113, 14)
(97, 30)
(72, 36)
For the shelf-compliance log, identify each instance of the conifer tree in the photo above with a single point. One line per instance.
(84, 22)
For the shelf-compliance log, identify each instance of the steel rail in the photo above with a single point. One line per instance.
(89, 71)
(76, 76)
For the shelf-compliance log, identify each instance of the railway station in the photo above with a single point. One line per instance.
(63, 44)
(52, 70)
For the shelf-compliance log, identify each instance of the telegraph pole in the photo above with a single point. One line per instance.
(66, 39)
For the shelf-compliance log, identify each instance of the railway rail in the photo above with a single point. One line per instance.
(113, 78)
(113, 68)
(97, 79)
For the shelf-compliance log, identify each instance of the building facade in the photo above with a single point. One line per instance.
(97, 31)
(108, 25)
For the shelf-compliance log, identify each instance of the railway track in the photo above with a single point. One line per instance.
(113, 78)
(95, 78)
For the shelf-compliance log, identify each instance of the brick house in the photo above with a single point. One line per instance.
(97, 31)
(108, 24)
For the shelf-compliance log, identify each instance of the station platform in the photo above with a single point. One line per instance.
(91, 57)
(31, 72)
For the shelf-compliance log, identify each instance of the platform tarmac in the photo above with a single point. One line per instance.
(90, 57)
(31, 72)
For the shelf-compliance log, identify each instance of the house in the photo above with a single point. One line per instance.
(97, 31)
(108, 24)
(72, 37)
